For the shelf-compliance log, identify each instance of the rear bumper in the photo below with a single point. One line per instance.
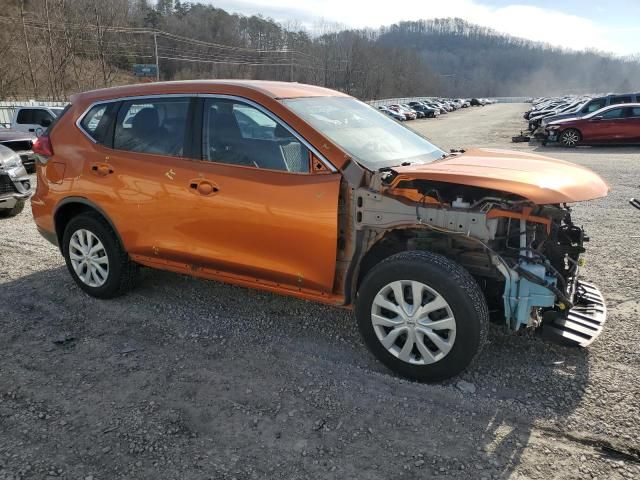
(583, 323)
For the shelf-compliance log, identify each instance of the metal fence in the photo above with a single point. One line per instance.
(8, 109)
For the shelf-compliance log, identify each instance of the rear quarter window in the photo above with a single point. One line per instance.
(97, 122)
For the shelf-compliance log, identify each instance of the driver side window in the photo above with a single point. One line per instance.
(239, 134)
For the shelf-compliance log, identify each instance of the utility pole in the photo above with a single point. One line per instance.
(155, 44)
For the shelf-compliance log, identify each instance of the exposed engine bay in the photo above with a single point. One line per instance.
(526, 257)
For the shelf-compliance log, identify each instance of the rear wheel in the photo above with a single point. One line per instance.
(570, 138)
(96, 260)
(422, 315)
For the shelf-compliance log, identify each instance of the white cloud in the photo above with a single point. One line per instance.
(535, 23)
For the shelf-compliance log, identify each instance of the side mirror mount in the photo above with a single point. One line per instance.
(46, 122)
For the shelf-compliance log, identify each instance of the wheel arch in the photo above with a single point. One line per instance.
(572, 128)
(386, 244)
(400, 239)
(71, 207)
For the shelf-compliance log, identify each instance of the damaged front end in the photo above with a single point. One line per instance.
(525, 256)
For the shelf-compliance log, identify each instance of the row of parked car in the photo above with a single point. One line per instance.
(430, 108)
(17, 158)
(576, 120)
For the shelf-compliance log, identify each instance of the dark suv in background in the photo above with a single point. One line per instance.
(591, 106)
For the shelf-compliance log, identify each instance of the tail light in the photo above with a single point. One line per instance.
(43, 149)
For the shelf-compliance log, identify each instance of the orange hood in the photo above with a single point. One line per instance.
(541, 179)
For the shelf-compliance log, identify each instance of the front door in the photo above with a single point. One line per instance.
(259, 212)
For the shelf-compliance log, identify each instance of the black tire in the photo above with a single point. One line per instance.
(122, 271)
(15, 210)
(459, 290)
(570, 138)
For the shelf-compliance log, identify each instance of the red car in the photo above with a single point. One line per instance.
(613, 124)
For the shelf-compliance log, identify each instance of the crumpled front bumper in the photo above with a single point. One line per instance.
(583, 323)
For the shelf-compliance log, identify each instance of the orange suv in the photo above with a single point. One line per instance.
(308, 192)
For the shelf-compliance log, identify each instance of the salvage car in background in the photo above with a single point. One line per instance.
(408, 114)
(428, 112)
(15, 186)
(616, 124)
(323, 198)
(21, 143)
(392, 113)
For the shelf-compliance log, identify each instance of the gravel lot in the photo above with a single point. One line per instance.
(191, 379)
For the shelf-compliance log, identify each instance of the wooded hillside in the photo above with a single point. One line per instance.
(53, 48)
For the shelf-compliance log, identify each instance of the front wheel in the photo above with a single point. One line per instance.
(422, 315)
(570, 138)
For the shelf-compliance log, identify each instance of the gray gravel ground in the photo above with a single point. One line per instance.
(190, 379)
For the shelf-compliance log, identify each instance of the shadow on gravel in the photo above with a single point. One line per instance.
(186, 379)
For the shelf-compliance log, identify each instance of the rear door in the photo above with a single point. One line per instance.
(608, 127)
(132, 177)
(632, 125)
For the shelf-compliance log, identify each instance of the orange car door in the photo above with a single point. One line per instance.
(257, 210)
(142, 200)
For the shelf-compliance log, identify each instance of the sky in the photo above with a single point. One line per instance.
(606, 25)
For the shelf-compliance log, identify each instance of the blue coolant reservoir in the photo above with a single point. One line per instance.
(521, 295)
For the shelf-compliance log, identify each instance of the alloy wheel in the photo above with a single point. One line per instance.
(88, 258)
(413, 322)
(570, 138)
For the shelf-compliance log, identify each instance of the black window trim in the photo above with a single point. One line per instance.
(195, 120)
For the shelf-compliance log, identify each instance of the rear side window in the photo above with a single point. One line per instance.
(42, 117)
(153, 126)
(614, 113)
(25, 116)
(97, 122)
(635, 112)
(621, 99)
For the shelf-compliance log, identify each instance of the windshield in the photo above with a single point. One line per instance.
(56, 111)
(369, 136)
